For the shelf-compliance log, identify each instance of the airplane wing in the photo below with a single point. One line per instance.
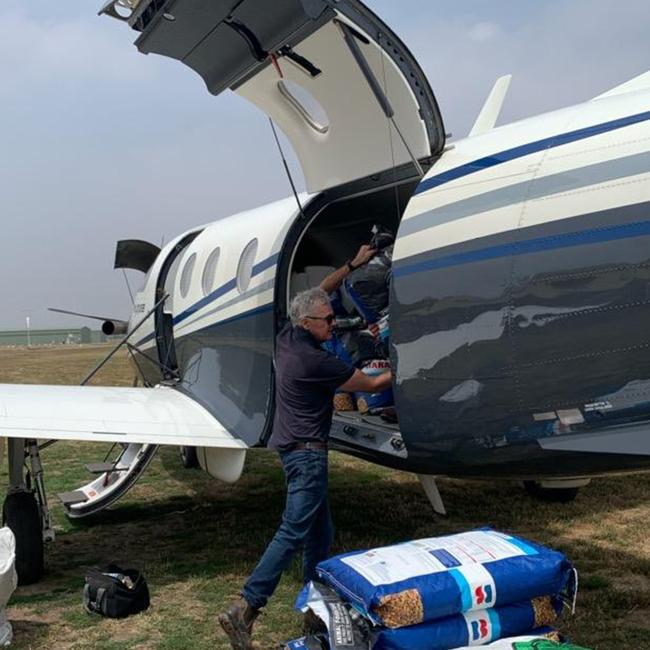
(159, 416)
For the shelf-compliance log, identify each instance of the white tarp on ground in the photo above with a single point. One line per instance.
(8, 581)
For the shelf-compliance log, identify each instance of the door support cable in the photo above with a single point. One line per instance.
(286, 169)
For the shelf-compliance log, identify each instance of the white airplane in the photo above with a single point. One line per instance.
(520, 273)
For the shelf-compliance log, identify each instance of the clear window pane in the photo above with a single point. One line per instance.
(210, 272)
(186, 275)
(245, 267)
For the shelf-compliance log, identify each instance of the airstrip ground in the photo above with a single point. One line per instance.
(196, 539)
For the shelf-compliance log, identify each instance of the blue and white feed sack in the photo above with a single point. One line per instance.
(470, 629)
(426, 579)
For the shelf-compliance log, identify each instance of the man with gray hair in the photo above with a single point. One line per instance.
(306, 377)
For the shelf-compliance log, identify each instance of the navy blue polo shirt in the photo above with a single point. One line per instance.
(306, 377)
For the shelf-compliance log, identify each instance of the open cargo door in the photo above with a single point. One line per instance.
(345, 90)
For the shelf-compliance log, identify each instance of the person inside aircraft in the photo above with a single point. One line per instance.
(366, 288)
(359, 292)
(335, 279)
(306, 378)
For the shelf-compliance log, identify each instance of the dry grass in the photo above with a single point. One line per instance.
(197, 539)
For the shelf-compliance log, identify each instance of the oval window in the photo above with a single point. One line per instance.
(210, 271)
(306, 104)
(245, 266)
(186, 275)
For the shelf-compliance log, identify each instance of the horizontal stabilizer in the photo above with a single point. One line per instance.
(492, 108)
(642, 82)
(159, 416)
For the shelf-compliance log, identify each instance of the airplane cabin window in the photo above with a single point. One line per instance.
(209, 278)
(305, 104)
(245, 266)
(186, 275)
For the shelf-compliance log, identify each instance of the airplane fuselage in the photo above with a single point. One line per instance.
(518, 302)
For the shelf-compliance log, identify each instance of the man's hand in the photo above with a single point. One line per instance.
(334, 280)
(363, 256)
(366, 383)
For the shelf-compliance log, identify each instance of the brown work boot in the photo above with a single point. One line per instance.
(237, 622)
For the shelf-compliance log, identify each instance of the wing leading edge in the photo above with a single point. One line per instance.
(160, 416)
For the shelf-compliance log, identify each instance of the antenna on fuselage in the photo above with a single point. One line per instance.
(286, 168)
(492, 108)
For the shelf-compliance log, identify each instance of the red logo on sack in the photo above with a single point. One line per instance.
(483, 594)
(480, 629)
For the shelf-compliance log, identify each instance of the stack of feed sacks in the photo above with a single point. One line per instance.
(448, 592)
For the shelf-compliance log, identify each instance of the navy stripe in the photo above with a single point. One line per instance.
(568, 240)
(216, 294)
(265, 264)
(246, 314)
(530, 190)
(229, 286)
(261, 288)
(527, 149)
(146, 339)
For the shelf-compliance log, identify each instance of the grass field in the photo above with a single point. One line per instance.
(197, 539)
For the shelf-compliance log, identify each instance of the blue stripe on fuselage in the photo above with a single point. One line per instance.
(568, 240)
(224, 289)
(216, 294)
(527, 149)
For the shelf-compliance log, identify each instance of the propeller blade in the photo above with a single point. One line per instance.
(76, 313)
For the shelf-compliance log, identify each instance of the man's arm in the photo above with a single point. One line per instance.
(334, 280)
(362, 382)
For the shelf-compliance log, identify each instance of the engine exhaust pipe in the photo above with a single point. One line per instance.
(110, 327)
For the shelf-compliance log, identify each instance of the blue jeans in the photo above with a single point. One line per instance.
(306, 524)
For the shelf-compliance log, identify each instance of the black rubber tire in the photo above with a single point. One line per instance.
(189, 457)
(21, 513)
(551, 495)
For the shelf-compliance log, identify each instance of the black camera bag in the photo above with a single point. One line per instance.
(115, 592)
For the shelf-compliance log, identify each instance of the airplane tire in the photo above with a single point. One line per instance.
(551, 495)
(21, 513)
(189, 458)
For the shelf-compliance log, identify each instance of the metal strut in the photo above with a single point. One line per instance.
(122, 342)
(36, 473)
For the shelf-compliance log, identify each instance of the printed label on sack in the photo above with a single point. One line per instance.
(480, 628)
(404, 561)
(341, 630)
(476, 585)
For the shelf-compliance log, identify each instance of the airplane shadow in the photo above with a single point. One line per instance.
(371, 506)
(204, 529)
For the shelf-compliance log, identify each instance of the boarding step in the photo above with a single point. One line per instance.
(102, 468)
(70, 498)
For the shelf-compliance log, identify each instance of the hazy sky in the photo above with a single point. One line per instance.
(100, 143)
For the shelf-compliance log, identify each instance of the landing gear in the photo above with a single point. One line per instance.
(25, 510)
(189, 458)
(555, 490)
(22, 514)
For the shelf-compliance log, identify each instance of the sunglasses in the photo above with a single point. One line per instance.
(329, 319)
